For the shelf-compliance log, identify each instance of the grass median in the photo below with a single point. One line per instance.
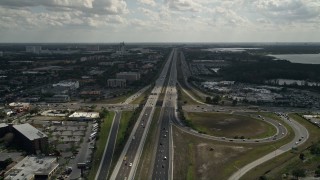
(147, 153)
(101, 144)
(142, 97)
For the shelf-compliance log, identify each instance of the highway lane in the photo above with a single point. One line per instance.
(130, 156)
(106, 161)
(162, 160)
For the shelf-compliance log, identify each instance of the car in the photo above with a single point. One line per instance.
(162, 166)
(297, 142)
(165, 158)
(160, 143)
(130, 164)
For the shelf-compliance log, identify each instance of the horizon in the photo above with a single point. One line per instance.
(40, 21)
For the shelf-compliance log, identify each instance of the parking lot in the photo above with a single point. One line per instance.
(71, 140)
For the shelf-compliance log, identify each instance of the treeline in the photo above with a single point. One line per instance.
(259, 72)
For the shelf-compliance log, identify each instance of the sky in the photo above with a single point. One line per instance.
(105, 21)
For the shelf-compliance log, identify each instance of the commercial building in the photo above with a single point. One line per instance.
(121, 83)
(30, 138)
(19, 106)
(84, 116)
(33, 168)
(129, 76)
(58, 99)
(71, 84)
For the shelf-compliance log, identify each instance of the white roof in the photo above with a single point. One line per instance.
(19, 104)
(29, 131)
(3, 125)
(84, 115)
(30, 166)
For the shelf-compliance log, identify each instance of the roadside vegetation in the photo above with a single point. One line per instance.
(300, 162)
(102, 138)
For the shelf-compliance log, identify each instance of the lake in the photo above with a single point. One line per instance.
(299, 58)
(229, 49)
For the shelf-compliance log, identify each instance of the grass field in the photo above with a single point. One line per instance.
(147, 153)
(115, 100)
(185, 99)
(198, 158)
(286, 162)
(230, 125)
(141, 97)
(124, 121)
(100, 144)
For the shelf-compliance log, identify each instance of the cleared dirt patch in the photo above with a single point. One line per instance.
(230, 125)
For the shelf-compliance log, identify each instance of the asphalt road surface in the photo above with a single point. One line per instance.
(162, 168)
(130, 156)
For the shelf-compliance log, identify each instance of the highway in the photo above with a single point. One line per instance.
(162, 168)
(130, 156)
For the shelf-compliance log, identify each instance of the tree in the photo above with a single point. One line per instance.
(216, 99)
(301, 156)
(208, 99)
(234, 102)
(317, 173)
(299, 173)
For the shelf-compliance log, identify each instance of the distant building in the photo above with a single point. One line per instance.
(72, 85)
(121, 83)
(90, 94)
(33, 49)
(129, 76)
(58, 99)
(122, 49)
(33, 168)
(19, 106)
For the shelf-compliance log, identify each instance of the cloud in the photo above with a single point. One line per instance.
(147, 2)
(88, 6)
(184, 5)
(287, 10)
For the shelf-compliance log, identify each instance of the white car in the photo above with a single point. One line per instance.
(130, 164)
